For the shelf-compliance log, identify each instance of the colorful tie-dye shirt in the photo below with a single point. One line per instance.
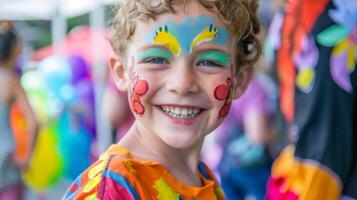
(119, 175)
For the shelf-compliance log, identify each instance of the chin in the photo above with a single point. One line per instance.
(181, 142)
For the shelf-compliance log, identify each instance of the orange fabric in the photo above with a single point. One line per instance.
(148, 180)
(19, 129)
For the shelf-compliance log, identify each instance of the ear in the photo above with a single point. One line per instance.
(242, 80)
(117, 70)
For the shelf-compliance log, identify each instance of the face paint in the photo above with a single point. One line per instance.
(225, 92)
(183, 37)
(164, 37)
(207, 34)
(154, 52)
(215, 56)
(138, 88)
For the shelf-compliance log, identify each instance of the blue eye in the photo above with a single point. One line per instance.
(156, 60)
(208, 63)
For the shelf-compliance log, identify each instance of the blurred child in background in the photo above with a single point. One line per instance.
(12, 92)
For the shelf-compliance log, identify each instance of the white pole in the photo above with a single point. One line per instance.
(58, 27)
(97, 22)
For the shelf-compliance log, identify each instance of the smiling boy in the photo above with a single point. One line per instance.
(182, 63)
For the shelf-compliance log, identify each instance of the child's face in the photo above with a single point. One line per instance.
(180, 75)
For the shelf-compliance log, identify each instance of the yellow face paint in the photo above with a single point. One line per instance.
(164, 37)
(207, 34)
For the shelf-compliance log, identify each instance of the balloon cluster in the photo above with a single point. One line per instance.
(61, 93)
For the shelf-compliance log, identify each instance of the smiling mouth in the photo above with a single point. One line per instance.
(181, 112)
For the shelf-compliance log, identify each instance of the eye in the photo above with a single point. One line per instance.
(208, 63)
(156, 60)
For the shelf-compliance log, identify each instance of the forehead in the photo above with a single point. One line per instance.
(188, 21)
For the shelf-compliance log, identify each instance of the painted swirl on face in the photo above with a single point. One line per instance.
(224, 92)
(137, 90)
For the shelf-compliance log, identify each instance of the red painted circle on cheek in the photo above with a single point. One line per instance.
(221, 92)
(141, 87)
(225, 110)
(138, 108)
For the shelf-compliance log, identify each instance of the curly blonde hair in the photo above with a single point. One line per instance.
(239, 16)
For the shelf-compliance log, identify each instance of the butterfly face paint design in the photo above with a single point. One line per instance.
(183, 37)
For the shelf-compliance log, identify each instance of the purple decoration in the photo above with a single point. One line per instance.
(339, 71)
(308, 56)
(79, 68)
(85, 91)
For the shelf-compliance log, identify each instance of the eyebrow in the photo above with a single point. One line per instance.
(221, 57)
(152, 52)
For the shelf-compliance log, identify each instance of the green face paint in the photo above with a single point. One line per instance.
(154, 52)
(215, 56)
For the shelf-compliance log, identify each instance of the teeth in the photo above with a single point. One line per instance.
(181, 112)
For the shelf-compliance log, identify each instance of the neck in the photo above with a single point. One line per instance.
(153, 148)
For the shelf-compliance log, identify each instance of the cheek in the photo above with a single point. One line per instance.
(139, 87)
(222, 93)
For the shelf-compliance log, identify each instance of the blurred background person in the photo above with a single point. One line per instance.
(315, 61)
(12, 92)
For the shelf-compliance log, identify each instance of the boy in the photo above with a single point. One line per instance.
(182, 63)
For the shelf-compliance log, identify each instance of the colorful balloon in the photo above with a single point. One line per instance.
(62, 96)
(56, 72)
(79, 68)
(45, 104)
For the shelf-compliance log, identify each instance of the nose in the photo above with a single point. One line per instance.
(182, 80)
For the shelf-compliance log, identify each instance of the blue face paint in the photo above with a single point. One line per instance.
(191, 32)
